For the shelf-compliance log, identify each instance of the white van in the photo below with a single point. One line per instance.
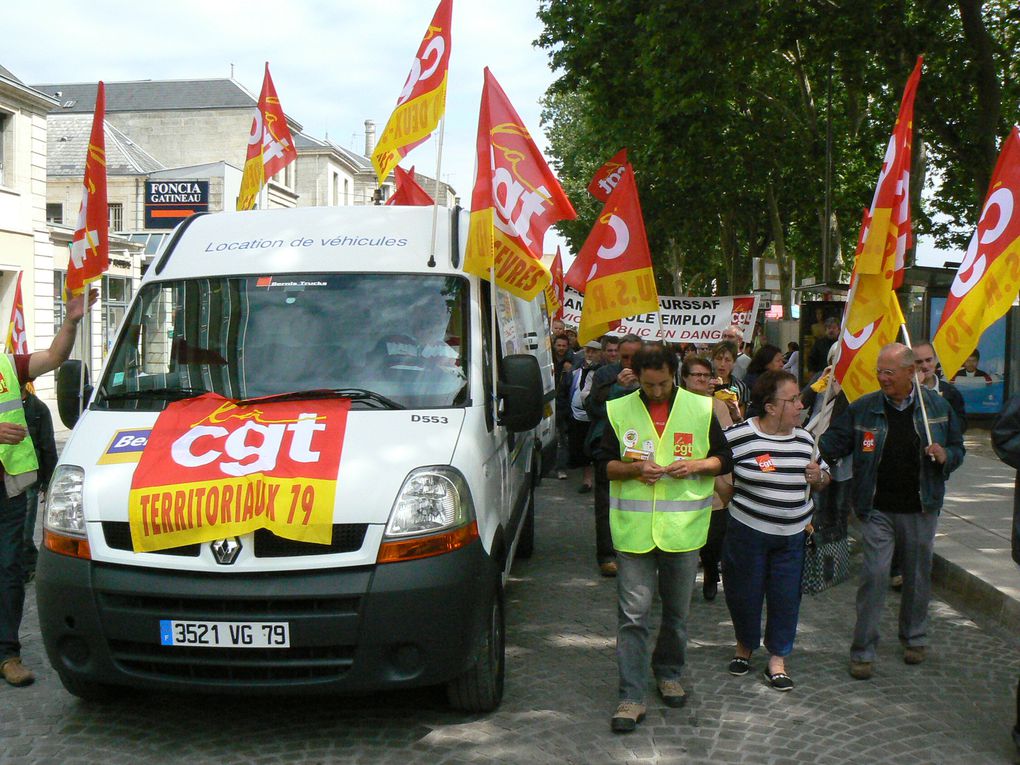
(435, 470)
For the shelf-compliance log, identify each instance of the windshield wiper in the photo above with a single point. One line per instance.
(166, 394)
(355, 394)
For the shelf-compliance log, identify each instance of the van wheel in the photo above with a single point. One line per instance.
(86, 690)
(480, 689)
(526, 543)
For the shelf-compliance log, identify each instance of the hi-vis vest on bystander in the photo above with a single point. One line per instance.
(18, 458)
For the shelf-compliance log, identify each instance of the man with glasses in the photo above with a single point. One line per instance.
(899, 483)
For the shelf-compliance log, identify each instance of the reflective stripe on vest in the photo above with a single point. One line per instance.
(673, 514)
(20, 457)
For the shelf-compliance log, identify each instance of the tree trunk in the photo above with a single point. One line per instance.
(986, 85)
(779, 243)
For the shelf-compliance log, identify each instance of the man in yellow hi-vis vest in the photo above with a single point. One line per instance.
(17, 464)
(664, 447)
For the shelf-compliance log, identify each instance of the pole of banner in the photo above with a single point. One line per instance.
(493, 290)
(920, 385)
(435, 198)
(82, 339)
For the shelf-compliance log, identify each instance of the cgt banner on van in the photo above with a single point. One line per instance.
(214, 468)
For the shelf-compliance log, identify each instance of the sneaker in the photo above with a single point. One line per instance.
(609, 568)
(561, 475)
(627, 716)
(672, 693)
(860, 670)
(914, 654)
(709, 589)
(896, 582)
(15, 673)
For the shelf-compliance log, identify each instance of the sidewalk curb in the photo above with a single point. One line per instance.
(971, 595)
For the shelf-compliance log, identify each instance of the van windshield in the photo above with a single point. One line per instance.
(395, 339)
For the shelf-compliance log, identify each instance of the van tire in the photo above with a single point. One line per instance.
(526, 542)
(480, 689)
(86, 690)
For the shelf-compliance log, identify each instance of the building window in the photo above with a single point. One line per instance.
(54, 212)
(290, 175)
(334, 189)
(6, 148)
(347, 191)
(116, 216)
(116, 294)
(58, 299)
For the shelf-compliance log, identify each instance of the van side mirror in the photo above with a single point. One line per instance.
(69, 405)
(520, 392)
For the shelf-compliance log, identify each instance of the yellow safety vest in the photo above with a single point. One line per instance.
(673, 514)
(20, 457)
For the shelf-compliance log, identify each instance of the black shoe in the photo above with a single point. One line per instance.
(740, 665)
(779, 680)
(585, 488)
(710, 589)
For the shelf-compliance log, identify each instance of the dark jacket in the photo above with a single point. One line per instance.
(846, 435)
(40, 429)
(954, 398)
(1006, 442)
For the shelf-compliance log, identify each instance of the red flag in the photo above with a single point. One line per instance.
(270, 145)
(614, 267)
(17, 338)
(515, 199)
(554, 297)
(408, 192)
(90, 245)
(988, 280)
(422, 102)
(607, 176)
(880, 263)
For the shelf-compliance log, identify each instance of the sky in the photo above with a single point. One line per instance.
(334, 64)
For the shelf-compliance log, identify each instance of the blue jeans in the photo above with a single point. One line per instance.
(757, 568)
(12, 573)
(635, 583)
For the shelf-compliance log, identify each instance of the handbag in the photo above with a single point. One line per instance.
(826, 562)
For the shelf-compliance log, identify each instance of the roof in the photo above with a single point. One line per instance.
(67, 137)
(8, 74)
(357, 161)
(10, 81)
(151, 95)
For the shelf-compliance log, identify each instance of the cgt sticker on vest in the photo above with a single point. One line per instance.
(683, 445)
(765, 463)
(868, 442)
(125, 446)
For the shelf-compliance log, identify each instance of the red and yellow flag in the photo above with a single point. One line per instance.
(90, 245)
(607, 176)
(880, 264)
(554, 298)
(988, 279)
(614, 267)
(17, 337)
(408, 192)
(214, 468)
(515, 199)
(270, 145)
(422, 102)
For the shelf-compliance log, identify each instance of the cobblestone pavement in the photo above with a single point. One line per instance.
(955, 708)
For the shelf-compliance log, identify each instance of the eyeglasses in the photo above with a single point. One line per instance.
(704, 375)
(891, 372)
(786, 400)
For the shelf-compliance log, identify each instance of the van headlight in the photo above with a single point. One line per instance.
(65, 511)
(431, 500)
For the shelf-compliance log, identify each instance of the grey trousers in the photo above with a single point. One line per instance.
(914, 535)
(635, 583)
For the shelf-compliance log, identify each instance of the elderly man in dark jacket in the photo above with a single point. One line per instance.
(899, 484)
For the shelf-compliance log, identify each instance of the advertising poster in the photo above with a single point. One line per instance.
(983, 386)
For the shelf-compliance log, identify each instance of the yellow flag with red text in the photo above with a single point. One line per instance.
(90, 244)
(515, 199)
(988, 279)
(422, 102)
(554, 297)
(17, 338)
(614, 267)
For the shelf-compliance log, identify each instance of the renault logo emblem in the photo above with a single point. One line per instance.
(226, 550)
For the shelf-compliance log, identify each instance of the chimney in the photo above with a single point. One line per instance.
(369, 137)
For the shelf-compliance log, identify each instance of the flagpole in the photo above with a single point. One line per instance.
(81, 343)
(435, 198)
(920, 384)
(495, 338)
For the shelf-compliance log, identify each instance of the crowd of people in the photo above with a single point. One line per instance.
(699, 456)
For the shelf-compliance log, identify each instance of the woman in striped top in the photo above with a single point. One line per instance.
(763, 556)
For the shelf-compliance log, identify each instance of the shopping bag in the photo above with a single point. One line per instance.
(826, 562)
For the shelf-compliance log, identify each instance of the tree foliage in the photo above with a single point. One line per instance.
(726, 107)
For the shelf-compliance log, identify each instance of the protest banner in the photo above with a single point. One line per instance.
(680, 319)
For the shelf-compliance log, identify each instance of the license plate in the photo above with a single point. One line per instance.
(225, 634)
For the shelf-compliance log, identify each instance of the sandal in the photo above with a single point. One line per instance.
(779, 680)
(740, 665)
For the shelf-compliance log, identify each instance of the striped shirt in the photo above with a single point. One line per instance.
(770, 488)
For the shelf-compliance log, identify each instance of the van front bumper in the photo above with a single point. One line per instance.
(385, 626)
